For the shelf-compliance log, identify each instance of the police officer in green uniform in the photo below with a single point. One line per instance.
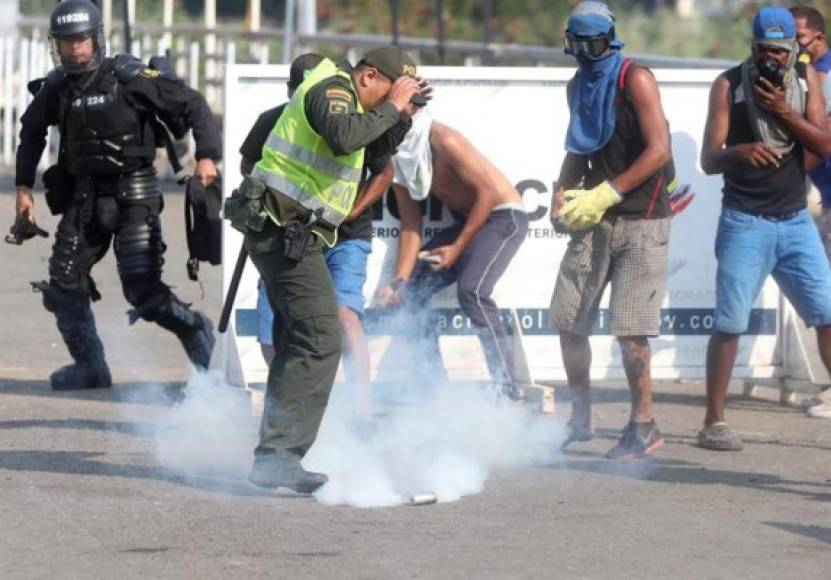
(302, 188)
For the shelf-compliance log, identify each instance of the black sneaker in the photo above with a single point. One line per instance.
(638, 440)
(274, 474)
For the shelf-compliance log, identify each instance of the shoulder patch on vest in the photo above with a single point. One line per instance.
(338, 107)
(150, 73)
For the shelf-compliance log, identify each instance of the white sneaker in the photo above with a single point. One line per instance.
(822, 411)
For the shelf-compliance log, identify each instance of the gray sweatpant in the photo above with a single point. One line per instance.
(475, 273)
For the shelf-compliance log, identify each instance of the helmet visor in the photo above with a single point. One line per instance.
(591, 47)
(77, 53)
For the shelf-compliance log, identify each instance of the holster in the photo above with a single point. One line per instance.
(60, 186)
(298, 231)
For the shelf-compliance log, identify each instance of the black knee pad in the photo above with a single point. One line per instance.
(139, 248)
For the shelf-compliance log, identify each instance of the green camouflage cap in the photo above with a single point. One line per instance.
(391, 61)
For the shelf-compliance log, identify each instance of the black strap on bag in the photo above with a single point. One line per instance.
(203, 224)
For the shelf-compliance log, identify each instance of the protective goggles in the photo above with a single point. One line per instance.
(592, 47)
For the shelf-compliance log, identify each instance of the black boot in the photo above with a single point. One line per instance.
(193, 329)
(79, 376)
(275, 471)
(76, 324)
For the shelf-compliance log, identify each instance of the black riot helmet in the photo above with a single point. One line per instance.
(76, 20)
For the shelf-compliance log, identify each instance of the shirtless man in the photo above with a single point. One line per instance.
(474, 252)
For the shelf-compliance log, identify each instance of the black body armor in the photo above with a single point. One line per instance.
(102, 132)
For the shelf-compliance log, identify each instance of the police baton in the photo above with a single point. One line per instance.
(228, 306)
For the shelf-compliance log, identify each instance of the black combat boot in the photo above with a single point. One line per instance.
(76, 324)
(275, 471)
(193, 329)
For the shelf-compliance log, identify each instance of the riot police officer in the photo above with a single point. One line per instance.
(111, 114)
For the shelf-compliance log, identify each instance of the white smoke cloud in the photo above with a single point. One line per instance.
(209, 432)
(443, 443)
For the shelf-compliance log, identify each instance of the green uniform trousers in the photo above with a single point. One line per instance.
(307, 342)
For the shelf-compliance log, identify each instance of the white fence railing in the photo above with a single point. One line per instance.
(198, 57)
(26, 57)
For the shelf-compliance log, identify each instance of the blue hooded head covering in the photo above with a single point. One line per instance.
(594, 87)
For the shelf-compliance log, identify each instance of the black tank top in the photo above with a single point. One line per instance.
(766, 190)
(648, 200)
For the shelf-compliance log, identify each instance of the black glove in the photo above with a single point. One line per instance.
(24, 229)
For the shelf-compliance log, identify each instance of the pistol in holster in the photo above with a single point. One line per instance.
(298, 232)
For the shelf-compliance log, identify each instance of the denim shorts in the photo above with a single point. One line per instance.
(347, 263)
(750, 247)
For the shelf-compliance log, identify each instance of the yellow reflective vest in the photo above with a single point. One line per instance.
(297, 162)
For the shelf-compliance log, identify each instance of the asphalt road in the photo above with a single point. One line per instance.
(84, 495)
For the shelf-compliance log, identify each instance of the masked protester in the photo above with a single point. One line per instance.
(612, 198)
(105, 186)
(766, 123)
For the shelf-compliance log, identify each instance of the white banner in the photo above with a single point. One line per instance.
(518, 118)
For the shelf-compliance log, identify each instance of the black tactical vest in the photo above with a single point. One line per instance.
(102, 132)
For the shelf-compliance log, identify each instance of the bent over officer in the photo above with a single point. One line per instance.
(105, 186)
(301, 189)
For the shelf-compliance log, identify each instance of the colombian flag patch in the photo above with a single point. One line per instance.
(342, 94)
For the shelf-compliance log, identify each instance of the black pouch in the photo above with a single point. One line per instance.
(60, 186)
(245, 208)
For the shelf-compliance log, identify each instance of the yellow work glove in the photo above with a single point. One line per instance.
(584, 208)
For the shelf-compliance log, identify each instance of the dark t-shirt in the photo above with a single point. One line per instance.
(649, 200)
(252, 149)
(766, 190)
